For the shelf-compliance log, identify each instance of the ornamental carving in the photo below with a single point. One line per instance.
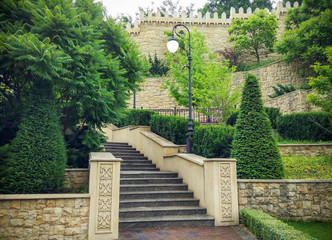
(104, 214)
(225, 192)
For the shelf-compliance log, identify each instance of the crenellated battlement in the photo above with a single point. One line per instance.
(208, 19)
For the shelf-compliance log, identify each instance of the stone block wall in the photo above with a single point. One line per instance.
(44, 216)
(306, 149)
(77, 178)
(299, 200)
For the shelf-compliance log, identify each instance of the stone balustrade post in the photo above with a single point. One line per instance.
(104, 188)
(221, 195)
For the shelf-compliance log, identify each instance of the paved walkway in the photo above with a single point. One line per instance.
(184, 233)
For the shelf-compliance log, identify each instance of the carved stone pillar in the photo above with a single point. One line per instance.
(221, 197)
(104, 189)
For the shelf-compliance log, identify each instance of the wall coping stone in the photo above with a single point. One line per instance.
(199, 160)
(220, 160)
(303, 145)
(285, 180)
(77, 170)
(43, 196)
(157, 139)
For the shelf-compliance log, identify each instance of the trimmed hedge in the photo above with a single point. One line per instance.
(135, 117)
(302, 126)
(266, 227)
(172, 128)
(213, 141)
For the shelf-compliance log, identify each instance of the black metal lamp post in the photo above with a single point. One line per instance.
(173, 46)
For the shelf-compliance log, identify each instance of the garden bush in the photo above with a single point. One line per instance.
(135, 117)
(313, 126)
(266, 227)
(254, 147)
(213, 141)
(37, 161)
(172, 128)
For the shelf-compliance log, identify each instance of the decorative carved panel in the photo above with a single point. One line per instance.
(225, 192)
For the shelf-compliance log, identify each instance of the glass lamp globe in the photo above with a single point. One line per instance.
(172, 45)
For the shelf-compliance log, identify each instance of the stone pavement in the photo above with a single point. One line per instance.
(186, 233)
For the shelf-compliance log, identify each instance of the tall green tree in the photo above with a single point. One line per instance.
(308, 34)
(253, 146)
(256, 35)
(322, 84)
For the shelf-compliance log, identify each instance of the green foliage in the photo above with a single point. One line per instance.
(250, 67)
(318, 230)
(322, 85)
(308, 34)
(256, 35)
(135, 117)
(315, 126)
(254, 147)
(272, 114)
(307, 167)
(233, 57)
(213, 141)
(281, 90)
(219, 95)
(38, 158)
(88, 58)
(172, 128)
(158, 66)
(266, 227)
(221, 6)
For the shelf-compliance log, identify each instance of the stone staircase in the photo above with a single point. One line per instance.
(153, 199)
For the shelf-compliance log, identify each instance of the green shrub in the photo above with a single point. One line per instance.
(172, 128)
(273, 114)
(135, 117)
(213, 141)
(38, 158)
(254, 147)
(266, 227)
(281, 90)
(313, 126)
(158, 66)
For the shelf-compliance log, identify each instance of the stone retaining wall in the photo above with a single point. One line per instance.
(52, 216)
(306, 149)
(305, 200)
(77, 178)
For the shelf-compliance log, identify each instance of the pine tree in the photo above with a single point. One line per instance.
(255, 149)
(38, 158)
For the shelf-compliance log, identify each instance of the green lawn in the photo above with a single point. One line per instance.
(306, 167)
(318, 230)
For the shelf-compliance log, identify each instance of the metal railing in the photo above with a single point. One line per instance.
(197, 116)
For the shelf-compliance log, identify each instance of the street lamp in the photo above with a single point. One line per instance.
(173, 46)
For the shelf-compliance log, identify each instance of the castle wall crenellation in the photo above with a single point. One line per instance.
(199, 19)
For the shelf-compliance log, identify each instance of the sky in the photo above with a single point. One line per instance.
(130, 7)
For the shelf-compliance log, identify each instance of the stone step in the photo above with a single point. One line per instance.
(153, 187)
(143, 212)
(123, 153)
(156, 194)
(148, 175)
(136, 203)
(127, 181)
(132, 157)
(140, 169)
(166, 222)
(138, 165)
(136, 161)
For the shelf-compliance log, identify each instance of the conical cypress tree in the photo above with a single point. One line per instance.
(255, 149)
(38, 158)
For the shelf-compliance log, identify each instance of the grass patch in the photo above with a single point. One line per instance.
(281, 140)
(307, 167)
(318, 230)
(257, 65)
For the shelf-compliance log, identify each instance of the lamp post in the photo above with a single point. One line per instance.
(173, 46)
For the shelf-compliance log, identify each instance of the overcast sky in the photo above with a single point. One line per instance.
(116, 7)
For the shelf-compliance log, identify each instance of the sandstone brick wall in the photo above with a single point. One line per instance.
(305, 200)
(77, 178)
(306, 149)
(38, 216)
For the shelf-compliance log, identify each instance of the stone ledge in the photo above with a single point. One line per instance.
(190, 157)
(284, 181)
(305, 145)
(77, 170)
(43, 196)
